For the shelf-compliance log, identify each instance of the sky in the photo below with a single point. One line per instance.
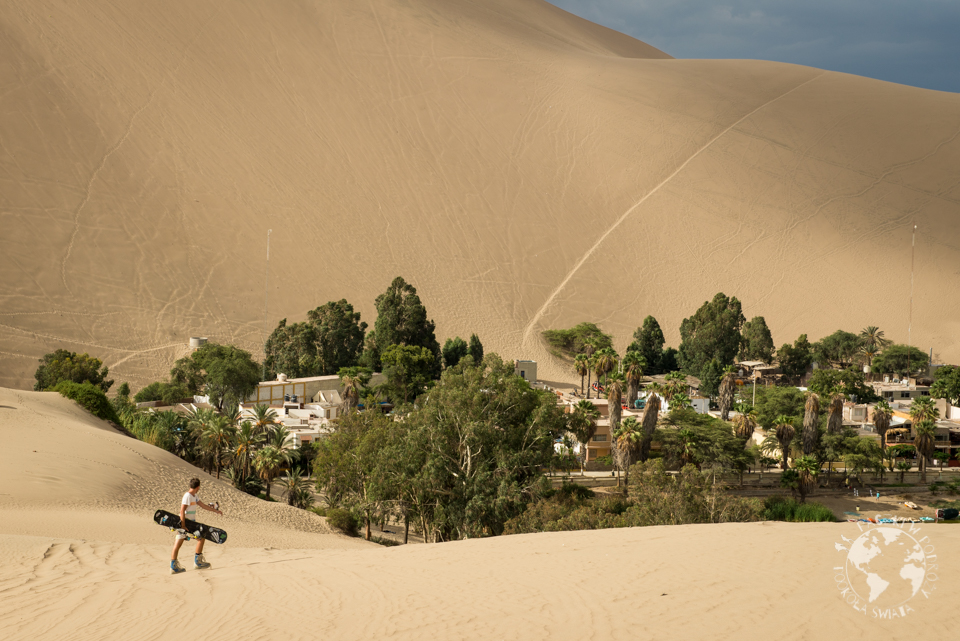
(915, 42)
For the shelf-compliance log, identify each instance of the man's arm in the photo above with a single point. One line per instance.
(208, 507)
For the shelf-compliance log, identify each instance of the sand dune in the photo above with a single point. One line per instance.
(82, 559)
(523, 168)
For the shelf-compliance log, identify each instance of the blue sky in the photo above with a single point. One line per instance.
(913, 43)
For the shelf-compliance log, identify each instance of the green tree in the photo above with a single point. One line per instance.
(728, 388)
(64, 365)
(651, 416)
(773, 402)
(124, 390)
(264, 418)
(583, 424)
(873, 338)
(757, 342)
(807, 468)
(228, 374)
(453, 350)
(633, 367)
(795, 359)
(699, 439)
(476, 349)
(627, 437)
(882, 414)
(604, 362)
(353, 380)
(847, 381)
(902, 360)
(408, 369)
(268, 461)
(924, 409)
(710, 378)
(839, 349)
(946, 384)
(291, 350)
(401, 320)
(585, 338)
(582, 366)
(784, 432)
(925, 441)
(169, 393)
(476, 445)
(246, 440)
(669, 360)
(648, 342)
(614, 385)
(216, 439)
(90, 397)
(296, 489)
(745, 422)
(339, 336)
(712, 332)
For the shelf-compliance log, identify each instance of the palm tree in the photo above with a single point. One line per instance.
(924, 409)
(295, 487)
(745, 423)
(583, 424)
(835, 417)
(614, 389)
(924, 441)
(282, 440)
(216, 438)
(351, 392)
(628, 437)
(785, 432)
(904, 467)
(633, 366)
(881, 420)
(808, 468)
(651, 414)
(604, 362)
(233, 416)
(811, 421)
(872, 337)
(680, 401)
(728, 385)
(267, 462)
(198, 420)
(264, 418)
(582, 365)
(244, 444)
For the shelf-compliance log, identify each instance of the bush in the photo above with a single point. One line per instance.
(169, 393)
(90, 397)
(781, 508)
(319, 511)
(344, 521)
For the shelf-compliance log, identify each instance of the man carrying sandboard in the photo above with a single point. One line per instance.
(188, 512)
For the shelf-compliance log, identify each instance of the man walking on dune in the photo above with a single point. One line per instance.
(188, 512)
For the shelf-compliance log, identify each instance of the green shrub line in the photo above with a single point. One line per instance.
(781, 508)
(343, 520)
(89, 397)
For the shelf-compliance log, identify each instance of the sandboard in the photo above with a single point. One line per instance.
(193, 530)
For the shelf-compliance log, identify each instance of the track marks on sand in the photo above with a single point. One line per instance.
(593, 248)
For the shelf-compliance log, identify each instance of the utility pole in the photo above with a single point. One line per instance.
(913, 251)
(266, 298)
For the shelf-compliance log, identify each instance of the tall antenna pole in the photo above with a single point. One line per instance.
(913, 251)
(266, 298)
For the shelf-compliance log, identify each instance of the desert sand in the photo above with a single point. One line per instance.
(82, 559)
(524, 168)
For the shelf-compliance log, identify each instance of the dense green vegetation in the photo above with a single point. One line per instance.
(331, 338)
(64, 365)
(90, 397)
(585, 338)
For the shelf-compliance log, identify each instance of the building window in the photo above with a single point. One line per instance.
(924, 393)
(599, 438)
(904, 394)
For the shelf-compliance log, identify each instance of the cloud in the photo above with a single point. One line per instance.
(914, 43)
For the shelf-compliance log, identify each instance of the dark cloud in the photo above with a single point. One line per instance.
(914, 42)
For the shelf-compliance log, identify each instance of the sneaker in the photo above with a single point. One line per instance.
(199, 561)
(176, 568)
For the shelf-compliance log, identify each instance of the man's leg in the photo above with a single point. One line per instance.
(198, 559)
(175, 567)
(176, 548)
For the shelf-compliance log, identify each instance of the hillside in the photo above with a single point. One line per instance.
(523, 168)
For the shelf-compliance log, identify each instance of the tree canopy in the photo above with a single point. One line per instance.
(839, 349)
(946, 384)
(648, 342)
(408, 369)
(226, 373)
(332, 337)
(901, 360)
(795, 359)
(712, 332)
(401, 320)
(476, 349)
(453, 350)
(848, 381)
(585, 338)
(64, 365)
(773, 402)
(757, 344)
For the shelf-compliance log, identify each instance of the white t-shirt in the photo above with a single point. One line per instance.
(191, 502)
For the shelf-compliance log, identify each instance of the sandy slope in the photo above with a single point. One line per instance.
(524, 168)
(83, 560)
